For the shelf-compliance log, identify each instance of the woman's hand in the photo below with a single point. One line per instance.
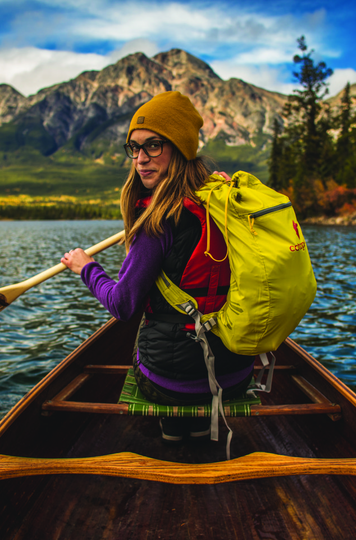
(223, 174)
(76, 259)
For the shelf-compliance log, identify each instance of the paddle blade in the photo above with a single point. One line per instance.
(9, 294)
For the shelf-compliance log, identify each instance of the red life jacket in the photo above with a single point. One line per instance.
(206, 280)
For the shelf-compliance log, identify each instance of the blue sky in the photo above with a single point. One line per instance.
(48, 41)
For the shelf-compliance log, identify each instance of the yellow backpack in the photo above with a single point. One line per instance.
(272, 282)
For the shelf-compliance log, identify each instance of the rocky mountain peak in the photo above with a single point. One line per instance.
(136, 72)
(180, 62)
(11, 103)
(6, 90)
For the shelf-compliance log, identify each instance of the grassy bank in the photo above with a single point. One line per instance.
(27, 172)
(24, 207)
(35, 187)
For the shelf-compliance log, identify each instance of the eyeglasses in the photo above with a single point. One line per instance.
(152, 148)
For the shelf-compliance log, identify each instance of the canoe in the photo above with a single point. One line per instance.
(144, 489)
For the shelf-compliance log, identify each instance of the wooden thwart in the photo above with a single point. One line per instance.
(304, 408)
(61, 402)
(256, 410)
(129, 465)
(85, 407)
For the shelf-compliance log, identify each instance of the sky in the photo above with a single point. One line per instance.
(44, 42)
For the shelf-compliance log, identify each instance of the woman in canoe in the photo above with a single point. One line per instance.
(165, 228)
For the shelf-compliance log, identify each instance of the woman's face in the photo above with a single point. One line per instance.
(152, 170)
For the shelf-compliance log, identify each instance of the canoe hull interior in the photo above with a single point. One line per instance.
(96, 507)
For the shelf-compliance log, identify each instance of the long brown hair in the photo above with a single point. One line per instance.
(183, 179)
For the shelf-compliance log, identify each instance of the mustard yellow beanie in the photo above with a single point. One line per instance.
(173, 116)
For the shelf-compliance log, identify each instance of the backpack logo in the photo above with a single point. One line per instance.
(295, 227)
(298, 247)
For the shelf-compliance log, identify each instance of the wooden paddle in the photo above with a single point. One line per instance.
(11, 292)
(129, 465)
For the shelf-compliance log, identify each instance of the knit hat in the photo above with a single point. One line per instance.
(173, 116)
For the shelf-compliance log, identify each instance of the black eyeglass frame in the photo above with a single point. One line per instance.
(142, 147)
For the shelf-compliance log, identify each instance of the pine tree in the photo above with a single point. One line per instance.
(305, 147)
(276, 156)
(304, 107)
(345, 146)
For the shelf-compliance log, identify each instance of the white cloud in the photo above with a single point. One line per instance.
(197, 25)
(265, 55)
(264, 76)
(171, 21)
(340, 78)
(273, 78)
(29, 69)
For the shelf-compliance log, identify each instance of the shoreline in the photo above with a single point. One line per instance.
(339, 221)
(112, 213)
(343, 221)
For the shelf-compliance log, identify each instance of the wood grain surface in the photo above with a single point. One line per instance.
(129, 465)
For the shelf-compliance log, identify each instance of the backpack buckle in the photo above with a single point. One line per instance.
(189, 308)
(193, 337)
(209, 324)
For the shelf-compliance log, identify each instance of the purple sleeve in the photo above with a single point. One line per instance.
(138, 273)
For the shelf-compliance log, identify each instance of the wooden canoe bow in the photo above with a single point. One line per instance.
(129, 465)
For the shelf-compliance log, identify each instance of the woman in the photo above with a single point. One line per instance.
(165, 228)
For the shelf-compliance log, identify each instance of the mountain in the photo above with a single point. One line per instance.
(11, 103)
(91, 113)
(335, 101)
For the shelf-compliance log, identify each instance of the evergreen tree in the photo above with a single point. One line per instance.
(276, 156)
(345, 146)
(326, 162)
(305, 147)
(304, 108)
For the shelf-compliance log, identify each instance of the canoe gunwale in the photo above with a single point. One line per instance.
(341, 387)
(55, 374)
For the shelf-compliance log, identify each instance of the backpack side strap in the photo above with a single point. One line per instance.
(185, 303)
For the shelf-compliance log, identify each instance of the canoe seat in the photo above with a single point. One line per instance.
(138, 405)
(132, 402)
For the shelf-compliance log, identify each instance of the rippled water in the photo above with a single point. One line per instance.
(328, 329)
(46, 323)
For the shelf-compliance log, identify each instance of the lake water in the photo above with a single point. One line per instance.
(47, 322)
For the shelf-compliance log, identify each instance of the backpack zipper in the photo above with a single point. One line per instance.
(251, 217)
(271, 209)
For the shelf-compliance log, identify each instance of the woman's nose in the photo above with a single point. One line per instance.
(142, 156)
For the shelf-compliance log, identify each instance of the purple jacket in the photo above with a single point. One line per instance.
(137, 275)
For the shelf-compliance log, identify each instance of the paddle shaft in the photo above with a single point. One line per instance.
(11, 292)
(129, 465)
